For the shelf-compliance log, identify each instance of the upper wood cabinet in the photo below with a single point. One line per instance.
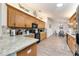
(72, 21)
(41, 24)
(10, 16)
(28, 21)
(20, 19)
(73, 18)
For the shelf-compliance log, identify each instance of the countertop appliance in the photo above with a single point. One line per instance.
(12, 32)
(36, 31)
(27, 32)
(37, 34)
(18, 31)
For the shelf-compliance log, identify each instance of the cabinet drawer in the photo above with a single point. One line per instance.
(29, 51)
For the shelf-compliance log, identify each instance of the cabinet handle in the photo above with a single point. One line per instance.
(14, 24)
(29, 51)
(25, 25)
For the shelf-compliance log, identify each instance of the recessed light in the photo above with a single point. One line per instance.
(59, 5)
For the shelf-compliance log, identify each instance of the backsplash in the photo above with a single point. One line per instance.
(4, 31)
(25, 31)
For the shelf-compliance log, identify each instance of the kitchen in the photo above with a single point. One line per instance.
(24, 29)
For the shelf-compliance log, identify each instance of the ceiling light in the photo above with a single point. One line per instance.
(59, 5)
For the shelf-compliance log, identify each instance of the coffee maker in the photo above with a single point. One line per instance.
(12, 32)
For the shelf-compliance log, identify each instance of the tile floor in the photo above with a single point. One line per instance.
(53, 46)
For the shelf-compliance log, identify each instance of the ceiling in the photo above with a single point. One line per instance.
(53, 11)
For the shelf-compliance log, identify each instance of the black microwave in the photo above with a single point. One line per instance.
(34, 25)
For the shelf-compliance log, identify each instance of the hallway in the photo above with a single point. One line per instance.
(53, 46)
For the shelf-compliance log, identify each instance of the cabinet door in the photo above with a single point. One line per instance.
(10, 16)
(28, 21)
(41, 24)
(19, 19)
(72, 43)
(42, 35)
(37, 21)
(28, 51)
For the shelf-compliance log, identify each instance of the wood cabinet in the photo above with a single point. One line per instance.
(41, 24)
(43, 35)
(10, 17)
(28, 51)
(28, 21)
(21, 19)
(71, 43)
(73, 18)
(72, 21)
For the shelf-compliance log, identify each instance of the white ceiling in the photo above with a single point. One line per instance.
(52, 11)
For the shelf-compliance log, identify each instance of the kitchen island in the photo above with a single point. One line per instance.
(71, 41)
(17, 45)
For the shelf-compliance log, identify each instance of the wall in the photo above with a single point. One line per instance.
(0, 18)
(57, 23)
(0, 13)
(4, 15)
(49, 27)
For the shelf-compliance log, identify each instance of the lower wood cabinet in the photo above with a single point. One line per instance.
(28, 51)
(71, 43)
(43, 35)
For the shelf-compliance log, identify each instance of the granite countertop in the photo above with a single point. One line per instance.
(71, 32)
(73, 35)
(9, 45)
